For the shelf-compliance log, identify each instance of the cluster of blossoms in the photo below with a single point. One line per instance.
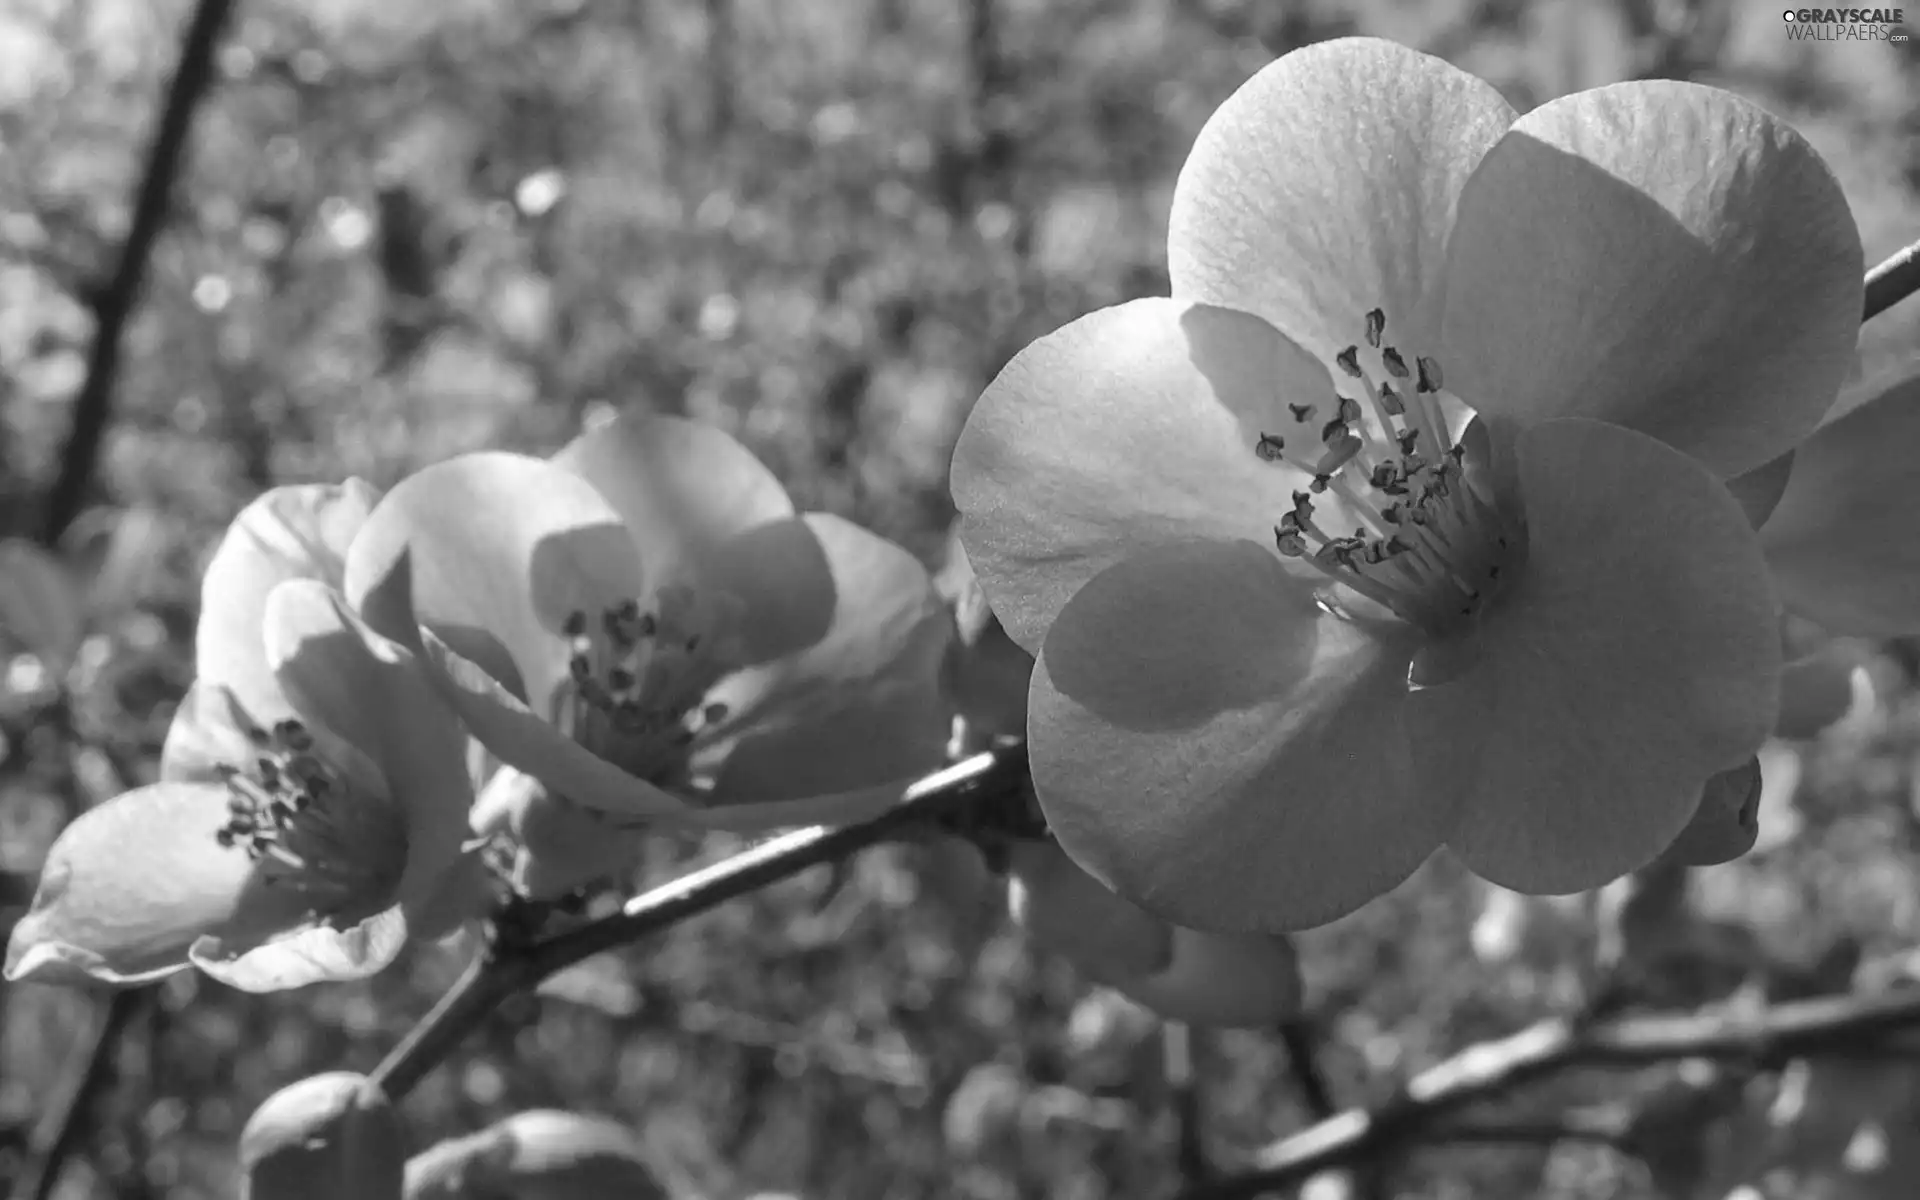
(1454, 499)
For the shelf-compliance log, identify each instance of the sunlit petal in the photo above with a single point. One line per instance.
(1132, 426)
(316, 955)
(1661, 255)
(1325, 187)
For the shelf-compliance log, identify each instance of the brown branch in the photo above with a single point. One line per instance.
(1769, 1039)
(93, 405)
(983, 781)
(1892, 281)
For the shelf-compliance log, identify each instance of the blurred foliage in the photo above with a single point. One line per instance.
(407, 231)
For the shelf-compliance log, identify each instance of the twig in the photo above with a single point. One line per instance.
(86, 1076)
(997, 776)
(93, 405)
(1179, 1057)
(1304, 1064)
(1769, 1039)
(1892, 281)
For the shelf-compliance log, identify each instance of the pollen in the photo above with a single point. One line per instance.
(638, 678)
(311, 832)
(1430, 541)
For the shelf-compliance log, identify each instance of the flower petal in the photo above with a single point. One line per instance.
(372, 693)
(1325, 187)
(1636, 654)
(1816, 690)
(1069, 912)
(1215, 748)
(1843, 544)
(682, 488)
(316, 955)
(288, 533)
(501, 548)
(1223, 981)
(524, 741)
(129, 886)
(1661, 255)
(1130, 426)
(1726, 822)
(205, 733)
(859, 706)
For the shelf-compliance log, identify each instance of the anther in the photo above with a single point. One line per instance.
(1396, 366)
(1270, 448)
(1349, 360)
(1302, 413)
(1430, 379)
(1376, 325)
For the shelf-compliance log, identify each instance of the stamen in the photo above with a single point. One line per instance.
(637, 696)
(1428, 544)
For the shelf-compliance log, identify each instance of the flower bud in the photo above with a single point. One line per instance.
(541, 1154)
(1726, 823)
(328, 1137)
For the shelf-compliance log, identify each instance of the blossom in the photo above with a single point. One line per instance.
(645, 626)
(1218, 979)
(313, 796)
(1403, 522)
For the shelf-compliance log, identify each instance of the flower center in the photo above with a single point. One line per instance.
(639, 678)
(1432, 541)
(310, 830)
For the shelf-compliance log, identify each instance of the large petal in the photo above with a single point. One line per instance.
(1214, 747)
(1726, 822)
(1843, 542)
(1324, 188)
(129, 886)
(371, 692)
(1131, 426)
(682, 488)
(1660, 255)
(862, 705)
(501, 548)
(320, 954)
(297, 532)
(1636, 654)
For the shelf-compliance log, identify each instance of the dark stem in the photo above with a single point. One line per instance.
(88, 1074)
(1304, 1063)
(93, 405)
(999, 776)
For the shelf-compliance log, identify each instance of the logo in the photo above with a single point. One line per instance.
(1846, 24)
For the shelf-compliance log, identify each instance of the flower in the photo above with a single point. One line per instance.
(313, 795)
(1309, 605)
(1226, 980)
(645, 626)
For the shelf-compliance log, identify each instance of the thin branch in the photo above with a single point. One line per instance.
(1179, 1058)
(93, 405)
(1892, 281)
(87, 1074)
(1787, 1031)
(985, 780)
(1303, 1063)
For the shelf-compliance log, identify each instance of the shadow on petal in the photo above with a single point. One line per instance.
(1070, 913)
(782, 574)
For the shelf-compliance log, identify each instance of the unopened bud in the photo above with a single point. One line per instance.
(328, 1137)
(542, 1154)
(1727, 822)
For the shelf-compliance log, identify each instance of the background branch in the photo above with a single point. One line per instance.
(1770, 1039)
(93, 404)
(1892, 281)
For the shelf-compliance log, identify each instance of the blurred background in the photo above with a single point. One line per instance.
(404, 231)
